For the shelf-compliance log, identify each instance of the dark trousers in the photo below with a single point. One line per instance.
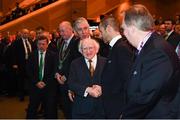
(48, 101)
(96, 113)
(66, 104)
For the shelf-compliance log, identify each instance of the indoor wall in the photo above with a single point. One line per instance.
(163, 8)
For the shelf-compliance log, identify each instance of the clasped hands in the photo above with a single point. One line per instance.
(94, 91)
(41, 85)
(60, 78)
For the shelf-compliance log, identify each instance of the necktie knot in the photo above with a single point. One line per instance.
(110, 48)
(90, 61)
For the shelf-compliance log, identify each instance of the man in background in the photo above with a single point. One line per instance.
(172, 37)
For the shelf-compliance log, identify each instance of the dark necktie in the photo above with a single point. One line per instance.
(41, 62)
(64, 48)
(136, 52)
(91, 68)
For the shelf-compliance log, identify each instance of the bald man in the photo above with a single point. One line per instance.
(21, 51)
(67, 52)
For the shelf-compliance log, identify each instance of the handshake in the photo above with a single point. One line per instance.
(94, 91)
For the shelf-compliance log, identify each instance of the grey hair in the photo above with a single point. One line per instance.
(139, 16)
(96, 44)
(79, 21)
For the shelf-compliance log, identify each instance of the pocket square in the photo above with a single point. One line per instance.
(135, 73)
(109, 61)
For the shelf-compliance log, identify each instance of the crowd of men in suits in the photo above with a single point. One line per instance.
(130, 75)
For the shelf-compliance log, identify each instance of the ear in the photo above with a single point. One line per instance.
(109, 29)
(132, 29)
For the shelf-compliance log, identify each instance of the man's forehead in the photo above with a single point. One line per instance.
(83, 24)
(88, 44)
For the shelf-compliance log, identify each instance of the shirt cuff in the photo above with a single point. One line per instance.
(86, 93)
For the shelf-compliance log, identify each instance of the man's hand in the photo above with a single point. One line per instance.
(98, 89)
(15, 66)
(41, 85)
(59, 78)
(94, 91)
(71, 95)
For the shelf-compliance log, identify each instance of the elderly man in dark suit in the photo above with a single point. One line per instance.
(82, 29)
(41, 68)
(67, 53)
(84, 81)
(21, 49)
(153, 86)
(117, 68)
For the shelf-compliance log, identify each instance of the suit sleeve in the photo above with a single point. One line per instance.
(30, 70)
(155, 71)
(74, 84)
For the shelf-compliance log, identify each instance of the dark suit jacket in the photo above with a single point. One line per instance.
(174, 39)
(79, 80)
(18, 57)
(49, 71)
(115, 73)
(154, 81)
(104, 48)
(19, 52)
(70, 54)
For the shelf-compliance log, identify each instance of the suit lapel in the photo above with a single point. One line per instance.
(36, 63)
(46, 60)
(97, 69)
(22, 46)
(134, 70)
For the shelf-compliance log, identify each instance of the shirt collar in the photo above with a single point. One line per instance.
(68, 41)
(143, 41)
(168, 34)
(39, 52)
(24, 39)
(93, 59)
(114, 40)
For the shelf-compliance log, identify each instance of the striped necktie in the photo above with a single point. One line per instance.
(91, 68)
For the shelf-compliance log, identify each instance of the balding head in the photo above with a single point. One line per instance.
(65, 29)
(25, 33)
